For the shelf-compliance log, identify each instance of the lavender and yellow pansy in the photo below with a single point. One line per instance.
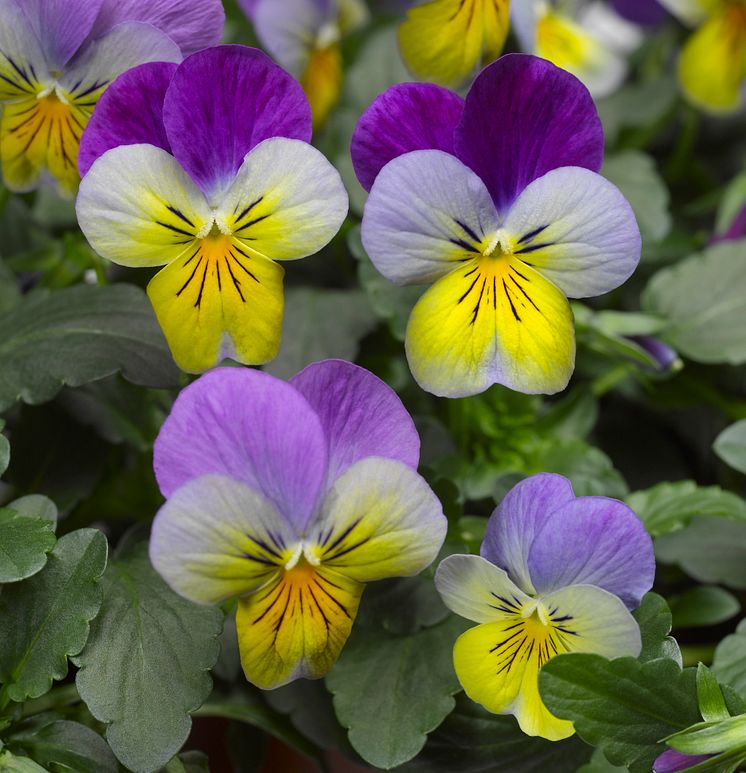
(497, 200)
(206, 168)
(290, 496)
(557, 573)
(58, 56)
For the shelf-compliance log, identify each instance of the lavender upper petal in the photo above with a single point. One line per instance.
(406, 117)
(522, 118)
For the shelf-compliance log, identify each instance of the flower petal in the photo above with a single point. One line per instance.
(442, 40)
(517, 520)
(322, 82)
(296, 626)
(406, 117)
(478, 590)
(593, 541)
(491, 321)
(130, 112)
(578, 230)
(191, 24)
(712, 68)
(251, 427)
(23, 67)
(287, 200)
(137, 207)
(498, 663)
(675, 762)
(60, 25)
(380, 519)
(223, 102)
(219, 299)
(216, 538)
(522, 118)
(361, 415)
(426, 213)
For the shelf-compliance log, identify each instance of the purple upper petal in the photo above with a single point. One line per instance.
(645, 12)
(521, 515)
(60, 25)
(251, 427)
(192, 24)
(248, 7)
(593, 541)
(129, 112)
(522, 118)
(672, 761)
(406, 117)
(361, 415)
(224, 101)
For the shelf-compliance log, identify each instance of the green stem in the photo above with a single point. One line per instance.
(605, 383)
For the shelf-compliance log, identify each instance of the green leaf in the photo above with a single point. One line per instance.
(599, 764)
(9, 763)
(622, 706)
(390, 691)
(654, 618)
(711, 550)
(4, 453)
(703, 299)
(320, 324)
(36, 506)
(24, 544)
(78, 335)
(669, 506)
(471, 740)
(69, 744)
(702, 606)
(46, 618)
(146, 664)
(733, 201)
(709, 696)
(730, 445)
(729, 663)
(637, 177)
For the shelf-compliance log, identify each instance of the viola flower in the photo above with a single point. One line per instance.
(736, 229)
(675, 762)
(303, 36)
(206, 168)
(497, 201)
(290, 496)
(646, 13)
(587, 39)
(556, 574)
(712, 67)
(58, 56)
(446, 41)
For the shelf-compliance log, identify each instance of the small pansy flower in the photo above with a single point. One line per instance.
(496, 200)
(58, 56)
(207, 168)
(712, 67)
(303, 36)
(290, 496)
(585, 38)
(446, 41)
(675, 762)
(646, 13)
(556, 574)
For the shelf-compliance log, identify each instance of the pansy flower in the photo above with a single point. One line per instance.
(304, 36)
(446, 41)
(58, 56)
(647, 13)
(497, 201)
(290, 496)
(556, 574)
(585, 38)
(712, 67)
(206, 168)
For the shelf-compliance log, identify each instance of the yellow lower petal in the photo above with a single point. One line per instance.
(712, 68)
(38, 135)
(492, 320)
(296, 625)
(219, 299)
(322, 82)
(498, 666)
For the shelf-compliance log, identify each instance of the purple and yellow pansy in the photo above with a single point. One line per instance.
(557, 573)
(304, 36)
(58, 56)
(206, 168)
(496, 200)
(290, 496)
